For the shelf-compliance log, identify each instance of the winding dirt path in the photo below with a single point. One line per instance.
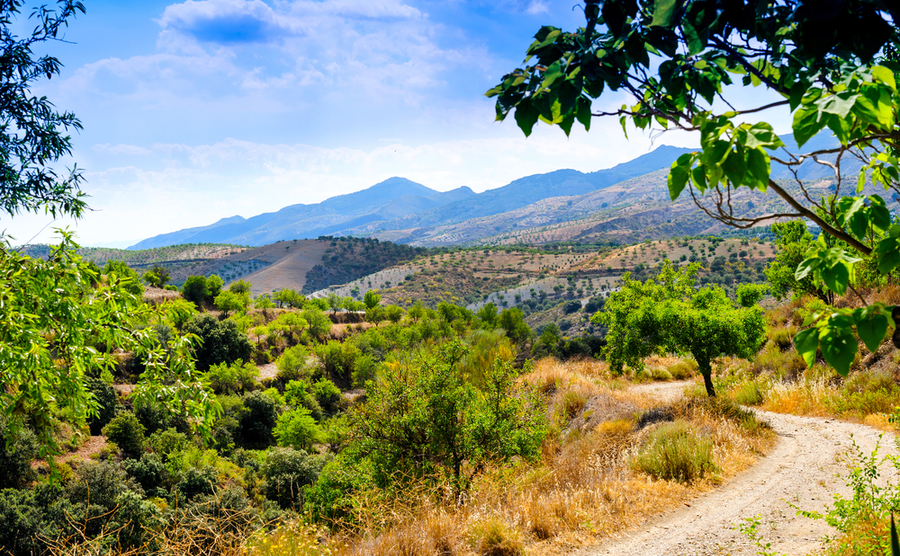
(800, 472)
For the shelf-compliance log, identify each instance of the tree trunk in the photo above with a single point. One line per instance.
(707, 381)
(705, 367)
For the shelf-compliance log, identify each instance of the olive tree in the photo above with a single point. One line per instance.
(831, 71)
(667, 314)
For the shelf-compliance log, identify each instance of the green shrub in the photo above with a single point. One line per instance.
(297, 394)
(286, 472)
(220, 341)
(327, 395)
(256, 421)
(107, 401)
(16, 455)
(783, 337)
(127, 432)
(167, 442)
(150, 472)
(297, 428)
(748, 393)
(675, 452)
(683, 369)
(195, 481)
(24, 527)
(294, 364)
(233, 378)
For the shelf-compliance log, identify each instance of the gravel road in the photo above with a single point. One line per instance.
(801, 471)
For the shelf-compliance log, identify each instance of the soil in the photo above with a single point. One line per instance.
(800, 473)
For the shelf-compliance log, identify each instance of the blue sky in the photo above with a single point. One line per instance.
(200, 110)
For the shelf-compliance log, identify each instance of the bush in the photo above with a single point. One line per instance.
(195, 290)
(150, 472)
(220, 341)
(493, 537)
(167, 442)
(16, 455)
(234, 378)
(674, 452)
(286, 472)
(294, 364)
(256, 421)
(107, 401)
(196, 481)
(24, 529)
(296, 428)
(127, 432)
(748, 393)
(327, 395)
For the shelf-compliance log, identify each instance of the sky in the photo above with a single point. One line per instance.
(206, 109)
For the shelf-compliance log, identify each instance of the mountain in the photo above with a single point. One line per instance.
(398, 204)
(387, 200)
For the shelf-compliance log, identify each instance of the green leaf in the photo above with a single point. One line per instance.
(806, 266)
(880, 214)
(872, 330)
(583, 112)
(526, 116)
(836, 278)
(758, 164)
(679, 175)
(839, 104)
(664, 13)
(798, 89)
(807, 342)
(806, 124)
(838, 348)
(886, 76)
(888, 254)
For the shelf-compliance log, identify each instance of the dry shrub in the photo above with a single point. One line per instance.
(683, 369)
(675, 452)
(748, 393)
(492, 536)
(289, 539)
(783, 336)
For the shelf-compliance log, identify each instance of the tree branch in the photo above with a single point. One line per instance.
(826, 227)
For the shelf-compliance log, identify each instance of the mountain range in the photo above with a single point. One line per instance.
(623, 203)
(398, 203)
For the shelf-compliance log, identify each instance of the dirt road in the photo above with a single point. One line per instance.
(799, 471)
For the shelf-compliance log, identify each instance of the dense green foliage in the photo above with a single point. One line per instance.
(667, 314)
(835, 73)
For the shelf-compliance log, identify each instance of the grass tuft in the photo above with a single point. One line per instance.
(494, 537)
(674, 452)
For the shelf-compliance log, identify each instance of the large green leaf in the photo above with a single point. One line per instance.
(872, 330)
(664, 13)
(836, 277)
(807, 342)
(526, 116)
(838, 347)
(806, 124)
(888, 254)
(679, 175)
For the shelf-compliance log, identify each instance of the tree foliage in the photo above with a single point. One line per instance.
(33, 135)
(424, 417)
(667, 314)
(832, 70)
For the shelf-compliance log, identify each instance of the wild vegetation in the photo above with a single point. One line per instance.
(212, 421)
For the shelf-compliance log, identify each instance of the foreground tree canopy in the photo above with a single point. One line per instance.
(60, 319)
(832, 67)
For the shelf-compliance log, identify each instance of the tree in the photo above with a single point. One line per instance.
(394, 313)
(667, 314)
(219, 341)
(195, 290)
(424, 417)
(793, 240)
(34, 135)
(214, 285)
(335, 302)
(229, 302)
(371, 299)
(263, 303)
(833, 70)
(240, 286)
